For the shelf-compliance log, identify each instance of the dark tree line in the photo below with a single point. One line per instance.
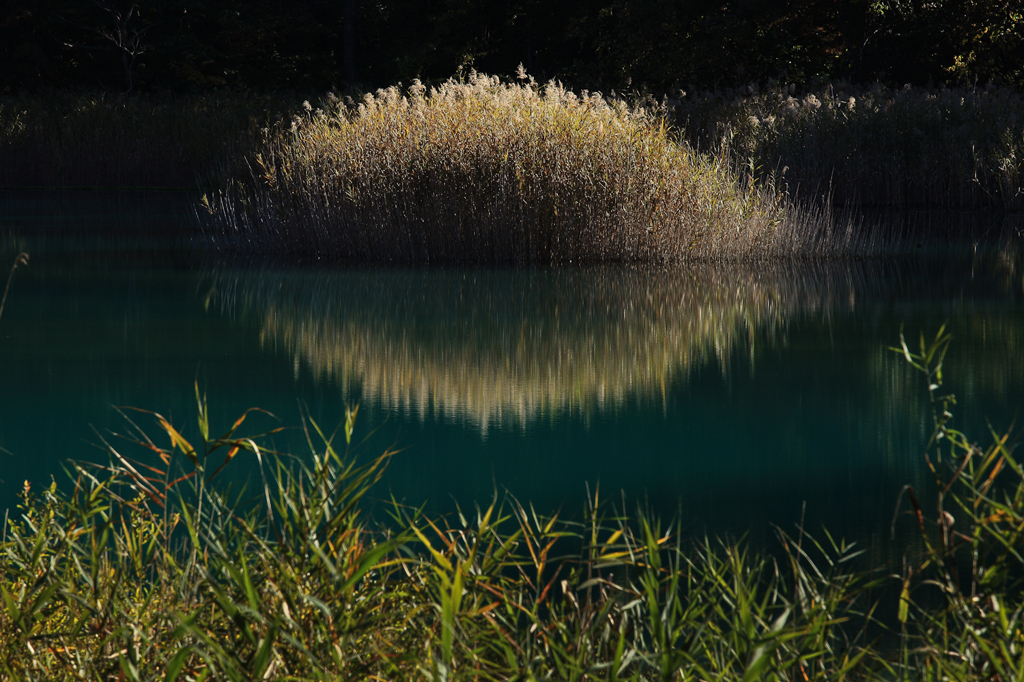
(643, 45)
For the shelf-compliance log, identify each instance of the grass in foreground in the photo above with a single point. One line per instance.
(143, 573)
(492, 172)
(152, 569)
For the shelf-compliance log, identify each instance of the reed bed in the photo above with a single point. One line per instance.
(959, 147)
(151, 567)
(491, 172)
(839, 144)
(485, 171)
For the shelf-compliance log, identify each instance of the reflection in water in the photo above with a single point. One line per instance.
(506, 347)
(605, 375)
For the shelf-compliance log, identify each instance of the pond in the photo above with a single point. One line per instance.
(729, 395)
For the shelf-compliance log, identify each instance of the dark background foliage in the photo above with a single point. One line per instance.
(626, 45)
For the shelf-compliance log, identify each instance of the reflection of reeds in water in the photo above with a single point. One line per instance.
(507, 347)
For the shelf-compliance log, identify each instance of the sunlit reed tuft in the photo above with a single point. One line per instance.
(491, 172)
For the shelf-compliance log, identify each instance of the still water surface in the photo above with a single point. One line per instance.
(729, 394)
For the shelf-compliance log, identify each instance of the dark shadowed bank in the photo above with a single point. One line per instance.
(869, 146)
(623, 45)
(68, 139)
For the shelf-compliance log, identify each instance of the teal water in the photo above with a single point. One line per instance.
(731, 395)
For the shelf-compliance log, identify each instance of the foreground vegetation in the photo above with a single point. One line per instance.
(153, 568)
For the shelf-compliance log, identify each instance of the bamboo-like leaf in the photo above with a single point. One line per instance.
(368, 561)
(350, 422)
(178, 440)
(204, 414)
(227, 460)
(177, 662)
(263, 655)
(438, 557)
(904, 605)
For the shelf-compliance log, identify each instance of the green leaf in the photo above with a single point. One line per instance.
(176, 664)
(367, 561)
(262, 661)
(204, 414)
(904, 601)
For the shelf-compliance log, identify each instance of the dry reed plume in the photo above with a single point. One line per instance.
(485, 171)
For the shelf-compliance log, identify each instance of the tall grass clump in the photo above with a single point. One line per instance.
(909, 147)
(154, 568)
(486, 171)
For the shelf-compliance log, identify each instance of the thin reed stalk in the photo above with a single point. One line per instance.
(20, 259)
